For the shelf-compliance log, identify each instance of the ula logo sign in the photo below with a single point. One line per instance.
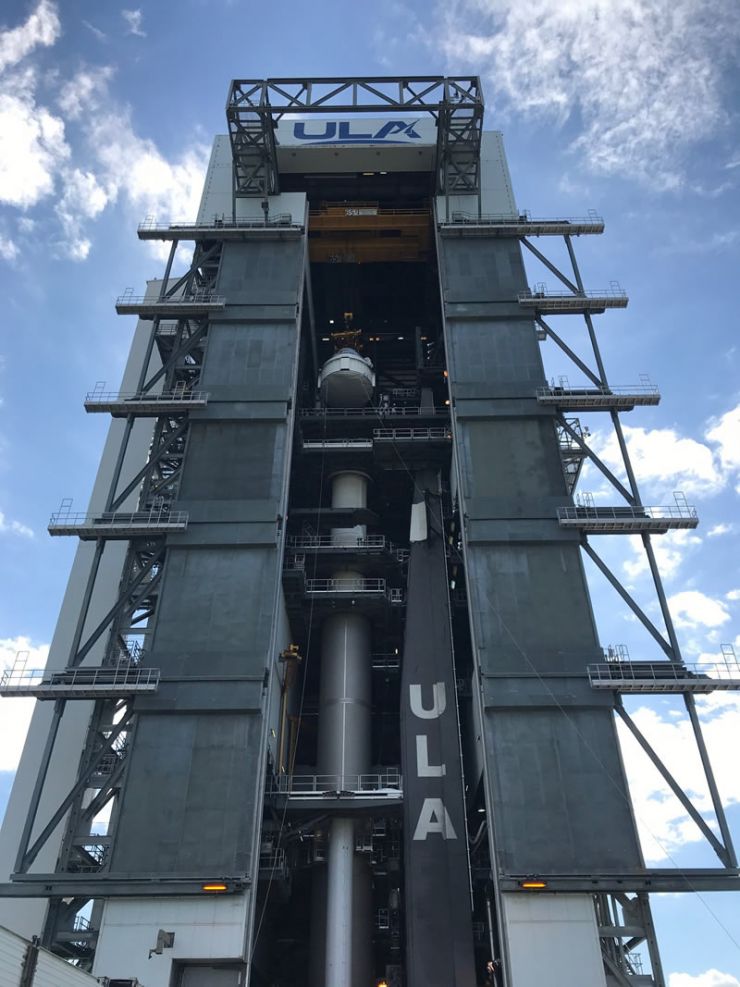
(352, 132)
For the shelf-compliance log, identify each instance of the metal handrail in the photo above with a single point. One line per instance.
(625, 389)
(282, 219)
(319, 783)
(412, 433)
(350, 584)
(124, 675)
(522, 217)
(621, 512)
(615, 292)
(153, 518)
(164, 396)
(193, 298)
(329, 541)
(659, 671)
(371, 412)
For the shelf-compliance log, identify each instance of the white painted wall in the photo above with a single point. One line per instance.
(552, 939)
(205, 928)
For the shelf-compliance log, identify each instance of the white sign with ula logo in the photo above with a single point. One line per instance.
(310, 132)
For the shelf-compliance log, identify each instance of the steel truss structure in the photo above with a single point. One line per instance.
(407, 432)
(167, 394)
(255, 106)
(629, 516)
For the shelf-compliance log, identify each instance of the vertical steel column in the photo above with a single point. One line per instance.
(344, 744)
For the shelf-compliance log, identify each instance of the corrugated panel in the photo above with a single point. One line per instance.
(12, 951)
(53, 972)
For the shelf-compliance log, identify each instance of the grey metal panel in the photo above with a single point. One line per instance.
(480, 508)
(527, 690)
(558, 793)
(233, 460)
(232, 533)
(190, 795)
(261, 406)
(194, 773)
(502, 408)
(215, 614)
(261, 273)
(496, 353)
(485, 271)
(563, 810)
(228, 511)
(510, 458)
(245, 357)
(517, 530)
(529, 603)
(205, 696)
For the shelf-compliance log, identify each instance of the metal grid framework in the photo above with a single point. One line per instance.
(255, 106)
(631, 516)
(166, 394)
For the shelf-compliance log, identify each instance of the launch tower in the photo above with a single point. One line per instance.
(326, 703)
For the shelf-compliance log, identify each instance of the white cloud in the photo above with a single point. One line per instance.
(670, 551)
(663, 823)
(692, 609)
(733, 595)
(88, 86)
(710, 978)
(8, 249)
(720, 529)
(32, 143)
(83, 198)
(107, 160)
(41, 28)
(664, 461)
(124, 165)
(725, 432)
(15, 714)
(14, 528)
(134, 19)
(565, 59)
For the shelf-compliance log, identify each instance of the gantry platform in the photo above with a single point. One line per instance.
(664, 676)
(371, 545)
(117, 525)
(469, 225)
(120, 404)
(562, 302)
(191, 306)
(616, 520)
(79, 683)
(375, 792)
(599, 398)
(280, 227)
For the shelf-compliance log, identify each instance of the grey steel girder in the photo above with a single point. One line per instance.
(255, 106)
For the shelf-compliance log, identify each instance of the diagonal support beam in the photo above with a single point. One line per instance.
(79, 787)
(149, 465)
(181, 351)
(596, 461)
(631, 603)
(618, 974)
(551, 267)
(716, 845)
(123, 600)
(568, 351)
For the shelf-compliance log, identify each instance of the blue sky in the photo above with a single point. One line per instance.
(629, 107)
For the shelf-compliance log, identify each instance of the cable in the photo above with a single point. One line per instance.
(291, 757)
